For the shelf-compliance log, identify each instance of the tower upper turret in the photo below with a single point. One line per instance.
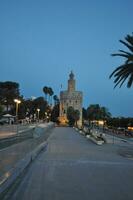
(71, 82)
(71, 75)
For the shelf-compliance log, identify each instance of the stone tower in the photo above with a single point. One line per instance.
(68, 98)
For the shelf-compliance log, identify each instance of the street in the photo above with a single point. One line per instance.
(73, 168)
(12, 130)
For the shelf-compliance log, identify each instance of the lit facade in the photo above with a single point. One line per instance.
(68, 98)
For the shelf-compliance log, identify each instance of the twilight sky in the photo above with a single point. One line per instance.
(42, 40)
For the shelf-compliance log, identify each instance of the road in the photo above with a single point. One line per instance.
(13, 153)
(73, 168)
(12, 130)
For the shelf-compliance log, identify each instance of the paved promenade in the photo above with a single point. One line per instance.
(73, 168)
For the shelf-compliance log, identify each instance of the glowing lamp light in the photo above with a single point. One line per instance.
(101, 122)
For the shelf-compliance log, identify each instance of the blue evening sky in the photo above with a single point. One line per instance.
(42, 40)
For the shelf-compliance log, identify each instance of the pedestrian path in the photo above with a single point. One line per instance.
(74, 168)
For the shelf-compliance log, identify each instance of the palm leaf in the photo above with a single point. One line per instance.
(130, 81)
(121, 71)
(124, 71)
(123, 74)
(120, 54)
(122, 79)
(127, 45)
(129, 39)
(129, 54)
(117, 69)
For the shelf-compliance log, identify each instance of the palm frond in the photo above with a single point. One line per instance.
(117, 69)
(129, 54)
(119, 54)
(129, 38)
(126, 68)
(130, 59)
(119, 77)
(130, 81)
(122, 79)
(122, 72)
(127, 45)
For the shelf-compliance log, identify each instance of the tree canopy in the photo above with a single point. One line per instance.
(48, 91)
(72, 116)
(97, 112)
(55, 113)
(28, 108)
(8, 92)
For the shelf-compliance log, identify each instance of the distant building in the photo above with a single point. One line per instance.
(68, 98)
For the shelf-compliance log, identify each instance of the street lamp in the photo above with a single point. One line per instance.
(17, 103)
(38, 110)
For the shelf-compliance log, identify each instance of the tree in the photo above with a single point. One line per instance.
(95, 112)
(116, 122)
(28, 107)
(104, 113)
(41, 104)
(70, 112)
(72, 116)
(84, 114)
(76, 116)
(8, 92)
(45, 90)
(125, 71)
(50, 92)
(55, 113)
(56, 99)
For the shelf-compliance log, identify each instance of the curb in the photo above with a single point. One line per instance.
(98, 142)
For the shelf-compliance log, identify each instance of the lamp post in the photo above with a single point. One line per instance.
(17, 103)
(38, 111)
